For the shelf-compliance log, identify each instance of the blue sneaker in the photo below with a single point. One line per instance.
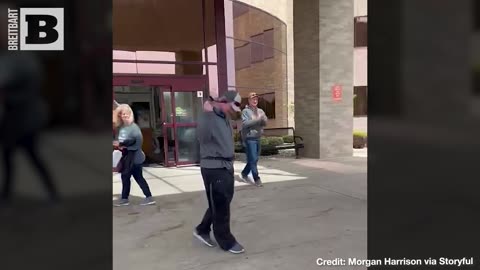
(204, 238)
(122, 202)
(236, 249)
(148, 201)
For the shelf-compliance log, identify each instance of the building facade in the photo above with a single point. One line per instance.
(297, 55)
(360, 52)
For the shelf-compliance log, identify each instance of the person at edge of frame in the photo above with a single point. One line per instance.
(253, 122)
(215, 137)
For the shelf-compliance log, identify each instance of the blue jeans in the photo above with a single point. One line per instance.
(252, 149)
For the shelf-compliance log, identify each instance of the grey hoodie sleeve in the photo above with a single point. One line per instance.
(204, 133)
(247, 121)
(133, 135)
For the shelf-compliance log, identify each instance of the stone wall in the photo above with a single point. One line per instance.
(323, 32)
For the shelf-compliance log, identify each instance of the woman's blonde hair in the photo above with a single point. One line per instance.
(117, 115)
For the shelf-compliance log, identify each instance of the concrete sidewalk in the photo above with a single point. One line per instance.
(308, 209)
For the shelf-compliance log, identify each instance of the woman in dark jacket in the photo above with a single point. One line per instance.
(129, 141)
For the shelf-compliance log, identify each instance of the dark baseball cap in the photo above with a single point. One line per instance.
(232, 97)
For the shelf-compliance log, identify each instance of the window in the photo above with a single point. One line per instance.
(262, 46)
(257, 48)
(360, 32)
(242, 56)
(269, 44)
(239, 9)
(267, 103)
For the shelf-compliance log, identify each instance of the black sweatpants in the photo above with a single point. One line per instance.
(219, 187)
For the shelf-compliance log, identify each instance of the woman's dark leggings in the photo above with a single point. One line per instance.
(137, 173)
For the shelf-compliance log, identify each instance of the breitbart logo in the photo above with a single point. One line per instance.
(35, 29)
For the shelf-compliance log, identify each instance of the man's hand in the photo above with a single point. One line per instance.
(116, 144)
(208, 106)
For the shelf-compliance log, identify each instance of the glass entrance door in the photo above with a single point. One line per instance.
(180, 115)
(168, 127)
(188, 107)
(175, 105)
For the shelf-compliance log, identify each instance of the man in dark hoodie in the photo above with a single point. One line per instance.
(253, 121)
(215, 136)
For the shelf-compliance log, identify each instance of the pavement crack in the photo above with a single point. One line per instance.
(163, 230)
(321, 213)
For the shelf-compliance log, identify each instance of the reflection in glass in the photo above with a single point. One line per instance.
(167, 101)
(188, 107)
(141, 111)
(242, 55)
(268, 37)
(158, 108)
(170, 145)
(258, 45)
(257, 48)
(188, 147)
(249, 22)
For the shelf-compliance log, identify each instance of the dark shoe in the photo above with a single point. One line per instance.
(204, 238)
(258, 183)
(236, 249)
(148, 201)
(122, 202)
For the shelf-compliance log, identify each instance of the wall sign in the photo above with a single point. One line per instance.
(337, 93)
(199, 94)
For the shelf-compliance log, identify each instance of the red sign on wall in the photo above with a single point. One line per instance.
(337, 93)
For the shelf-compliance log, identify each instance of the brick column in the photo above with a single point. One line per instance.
(323, 49)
